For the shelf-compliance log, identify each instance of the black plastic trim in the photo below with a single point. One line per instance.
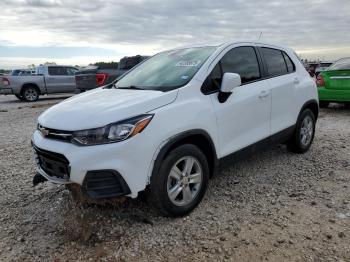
(173, 140)
(56, 160)
(108, 184)
(307, 104)
(280, 137)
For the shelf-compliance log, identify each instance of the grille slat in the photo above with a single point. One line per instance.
(65, 136)
(53, 164)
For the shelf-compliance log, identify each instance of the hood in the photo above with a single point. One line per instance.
(100, 107)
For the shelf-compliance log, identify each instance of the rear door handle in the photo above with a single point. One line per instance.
(264, 94)
(296, 81)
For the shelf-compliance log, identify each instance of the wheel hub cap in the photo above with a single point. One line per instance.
(30, 94)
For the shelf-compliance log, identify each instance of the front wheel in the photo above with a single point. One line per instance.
(304, 132)
(180, 184)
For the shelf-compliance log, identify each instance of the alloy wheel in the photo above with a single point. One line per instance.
(30, 94)
(184, 181)
(306, 131)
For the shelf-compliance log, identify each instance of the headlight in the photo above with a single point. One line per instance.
(113, 132)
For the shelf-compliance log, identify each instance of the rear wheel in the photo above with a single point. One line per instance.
(304, 133)
(20, 97)
(30, 94)
(181, 182)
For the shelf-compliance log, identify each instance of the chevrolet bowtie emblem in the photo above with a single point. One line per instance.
(44, 132)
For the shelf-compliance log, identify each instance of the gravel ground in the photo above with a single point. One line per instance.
(273, 206)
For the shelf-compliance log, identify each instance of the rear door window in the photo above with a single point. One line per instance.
(275, 62)
(71, 71)
(57, 71)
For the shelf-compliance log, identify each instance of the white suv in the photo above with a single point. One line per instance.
(165, 126)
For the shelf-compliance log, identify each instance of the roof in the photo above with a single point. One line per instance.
(225, 44)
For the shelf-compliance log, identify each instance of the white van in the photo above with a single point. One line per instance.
(165, 126)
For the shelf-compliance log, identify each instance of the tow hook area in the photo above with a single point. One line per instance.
(37, 179)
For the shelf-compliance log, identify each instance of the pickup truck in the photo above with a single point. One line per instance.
(92, 76)
(47, 80)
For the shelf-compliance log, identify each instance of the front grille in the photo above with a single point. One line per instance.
(56, 134)
(105, 184)
(53, 164)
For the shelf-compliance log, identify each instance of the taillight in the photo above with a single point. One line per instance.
(101, 78)
(319, 81)
(5, 81)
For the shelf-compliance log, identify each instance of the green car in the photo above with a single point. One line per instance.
(334, 83)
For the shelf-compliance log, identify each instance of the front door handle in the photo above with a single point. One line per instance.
(263, 94)
(296, 81)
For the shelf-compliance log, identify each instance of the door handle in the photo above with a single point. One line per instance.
(296, 81)
(263, 94)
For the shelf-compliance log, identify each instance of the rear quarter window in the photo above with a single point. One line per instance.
(289, 62)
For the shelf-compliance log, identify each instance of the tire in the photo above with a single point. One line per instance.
(171, 190)
(304, 133)
(30, 94)
(20, 97)
(324, 104)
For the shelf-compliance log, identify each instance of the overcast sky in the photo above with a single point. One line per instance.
(80, 32)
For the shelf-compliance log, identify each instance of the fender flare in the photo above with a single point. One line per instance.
(307, 104)
(177, 138)
(30, 84)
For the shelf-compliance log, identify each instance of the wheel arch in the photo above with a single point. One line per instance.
(197, 137)
(312, 105)
(30, 85)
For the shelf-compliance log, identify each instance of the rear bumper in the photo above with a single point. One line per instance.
(6, 91)
(325, 94)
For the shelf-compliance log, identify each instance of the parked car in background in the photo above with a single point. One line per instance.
(94, 76)
(315, 68)
(322, 66)
(167, 124)
(334, 83)
(48, 80)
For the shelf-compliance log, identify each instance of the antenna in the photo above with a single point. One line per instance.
(260, 35)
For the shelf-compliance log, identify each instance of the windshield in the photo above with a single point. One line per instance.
(167, 70)
(342, 64)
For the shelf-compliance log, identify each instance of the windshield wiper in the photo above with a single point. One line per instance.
(131, 87)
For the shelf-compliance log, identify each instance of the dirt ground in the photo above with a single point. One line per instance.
(273, 206)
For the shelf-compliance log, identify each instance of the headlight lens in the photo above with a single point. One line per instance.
(113, 132)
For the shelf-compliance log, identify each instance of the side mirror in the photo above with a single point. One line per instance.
(229, 82)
